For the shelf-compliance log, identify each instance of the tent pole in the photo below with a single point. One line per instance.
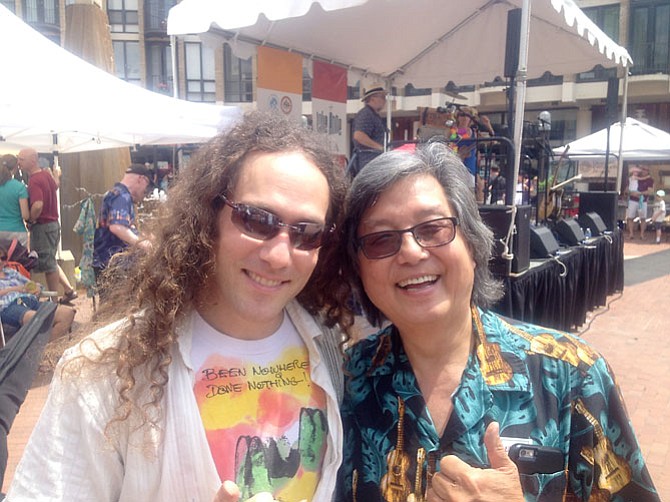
(624, 113)
(173, 58)
(389, 121)
(520, 91)
(56, 166)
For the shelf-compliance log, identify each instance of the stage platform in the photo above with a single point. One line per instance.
(559, 295)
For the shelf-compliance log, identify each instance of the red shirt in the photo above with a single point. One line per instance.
(42, 187)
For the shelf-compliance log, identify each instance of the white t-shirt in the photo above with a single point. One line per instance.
(660, 208)
(264, 419)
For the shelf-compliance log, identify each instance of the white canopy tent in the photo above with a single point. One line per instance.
(423, 42)
(634, 141)
(55, 101)
(640, 142)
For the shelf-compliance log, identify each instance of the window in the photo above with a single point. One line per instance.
(200, 83)
(41, 12)
(237, 78)
(547, 78)
(127, 60)
(354, 91)
(306, 85)
(9, 4)
(410, 90)
(650, 36)
(159, 68)
(122, 16)
(597, 74)
(155, 15)
(607, 19)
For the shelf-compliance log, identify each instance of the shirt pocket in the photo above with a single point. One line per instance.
(544, 487)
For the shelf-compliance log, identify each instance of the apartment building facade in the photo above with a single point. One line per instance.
(142, 55)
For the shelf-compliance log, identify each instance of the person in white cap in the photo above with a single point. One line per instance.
(369, 127)
(659, 214)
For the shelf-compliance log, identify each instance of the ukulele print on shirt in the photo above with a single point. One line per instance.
(265, 423)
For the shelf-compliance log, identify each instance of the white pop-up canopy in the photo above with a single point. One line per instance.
(638, 142)
(632, 141)
(424, 42)
(52, 100)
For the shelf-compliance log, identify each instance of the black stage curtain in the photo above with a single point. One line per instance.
(542, 296)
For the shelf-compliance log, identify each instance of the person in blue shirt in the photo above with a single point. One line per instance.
(433, 400)
(369, 128)
(116, 229)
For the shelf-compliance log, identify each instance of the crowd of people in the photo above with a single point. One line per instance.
(221, 375)
(29, 218)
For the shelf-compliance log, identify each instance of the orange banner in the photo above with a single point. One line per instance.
(279, 70)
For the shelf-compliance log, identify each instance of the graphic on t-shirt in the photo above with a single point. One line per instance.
(265, 421)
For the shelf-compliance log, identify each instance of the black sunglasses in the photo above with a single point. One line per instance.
(429, 234)
(264, 225)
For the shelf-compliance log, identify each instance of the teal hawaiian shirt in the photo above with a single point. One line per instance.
(543, 386)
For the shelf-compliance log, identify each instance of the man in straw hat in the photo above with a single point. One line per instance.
(369, 127)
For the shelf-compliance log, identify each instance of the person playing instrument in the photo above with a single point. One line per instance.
(433, 398)
(464, 137)
(640, 188)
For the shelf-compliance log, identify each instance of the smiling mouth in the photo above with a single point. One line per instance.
(424, 280)
(262, 280)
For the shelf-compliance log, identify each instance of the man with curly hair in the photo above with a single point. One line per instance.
(222, 380)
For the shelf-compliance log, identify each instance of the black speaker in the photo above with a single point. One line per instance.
(542, 242)
(513, 42)
(603, 203)
(569, 232)
(498, 219)
(593, 221)
(612, 97)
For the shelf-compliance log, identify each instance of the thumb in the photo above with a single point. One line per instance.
(497, 455)
(229, 492)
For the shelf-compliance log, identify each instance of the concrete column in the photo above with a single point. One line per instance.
(584, 117)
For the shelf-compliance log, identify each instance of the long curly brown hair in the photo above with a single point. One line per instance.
(171, 280)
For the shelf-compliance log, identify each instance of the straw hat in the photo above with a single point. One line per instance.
(375, 88)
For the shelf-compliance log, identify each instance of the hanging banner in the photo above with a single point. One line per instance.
(329, 103)
(279, 84)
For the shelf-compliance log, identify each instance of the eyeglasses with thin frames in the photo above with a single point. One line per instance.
(264, 225)
(427, 234)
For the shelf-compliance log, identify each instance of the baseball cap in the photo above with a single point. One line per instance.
(142, 171)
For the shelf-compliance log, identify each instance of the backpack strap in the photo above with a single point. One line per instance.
(11, 249)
